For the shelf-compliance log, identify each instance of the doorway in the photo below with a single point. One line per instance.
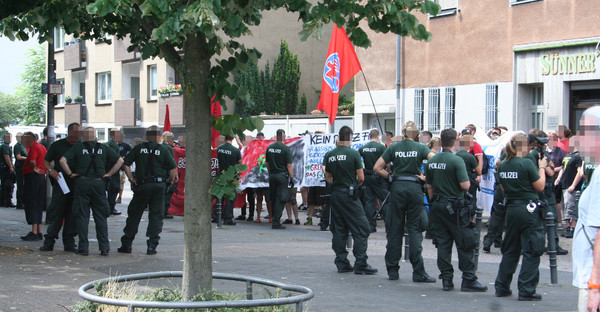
(580, 101)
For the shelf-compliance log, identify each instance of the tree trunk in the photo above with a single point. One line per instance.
(197, 254)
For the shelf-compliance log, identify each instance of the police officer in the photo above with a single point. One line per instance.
(228, 155)
(521, 180)
(281, 172)
(7, 172)
(343, 168)
(88, 160)
(20, 153)
(152, 161)
(375, 186)
(470, 164)
(61, 204)
(446, 180)
(406, 202)
(114, 183)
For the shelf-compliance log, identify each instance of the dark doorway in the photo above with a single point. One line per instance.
(580, 101)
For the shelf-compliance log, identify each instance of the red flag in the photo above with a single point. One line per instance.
(340, 66)
(167, 126)
(215, 110)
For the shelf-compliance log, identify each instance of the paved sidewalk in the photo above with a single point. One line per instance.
(31, 280)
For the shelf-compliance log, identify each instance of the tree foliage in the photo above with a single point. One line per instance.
(303, 103)
(286, 80)
(31, 100)
(9, 112)
(206, 33)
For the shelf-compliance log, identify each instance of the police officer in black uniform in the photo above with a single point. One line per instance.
(281, 172)
(228, 155)
(375, 186)
(343, 169)
(447, 179)
(152, 162)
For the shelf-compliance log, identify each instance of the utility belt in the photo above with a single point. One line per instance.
(407, 179)
(369, 172)
(354, 191)
(533, 206)
(152, 180)
(90, 178)
(461, 208)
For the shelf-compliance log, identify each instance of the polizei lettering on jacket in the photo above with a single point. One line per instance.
(145, 151)
(370, 149)
(337, 157)
(224, 151)
(509, 175)
(439, 166)
(274, 150)
(406, 154)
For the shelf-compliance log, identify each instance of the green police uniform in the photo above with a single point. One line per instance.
(152, 161)
(89, 160)
(278, 156)
(347, 213)
(470, 165)
(228, 156)
(19, 149)
(406, 206)
(61, 205)
(6, 177)
(375, 186)
(114, 184)
(524, 229)
(444, 173)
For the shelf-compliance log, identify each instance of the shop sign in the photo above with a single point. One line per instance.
(555, 64)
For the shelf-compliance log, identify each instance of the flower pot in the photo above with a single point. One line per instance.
(177, 93)
(68, 101)
(164, 95)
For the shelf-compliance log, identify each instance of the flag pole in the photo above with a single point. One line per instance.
(373, 102)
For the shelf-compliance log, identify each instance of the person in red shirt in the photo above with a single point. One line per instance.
(34, 174)
(563, 138)
(475, 150)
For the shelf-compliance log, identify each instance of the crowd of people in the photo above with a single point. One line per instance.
(418, 183)
(88, 175)
(426, 183)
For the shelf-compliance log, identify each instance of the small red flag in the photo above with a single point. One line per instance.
(167, 126)
(340, 66)
(215, 110)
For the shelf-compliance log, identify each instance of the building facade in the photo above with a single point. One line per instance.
(516, 63)
(119, 89)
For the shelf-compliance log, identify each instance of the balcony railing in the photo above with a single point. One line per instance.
(75, 56)
(176, 110)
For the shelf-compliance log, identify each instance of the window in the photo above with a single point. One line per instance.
(447, 7)
(60, 98)
(104, 87)
(152, 82)
(433, 113)
(450, 97)
(419, 108)
(537, 108)
(491, 106)
(59, 39)
(515, 2)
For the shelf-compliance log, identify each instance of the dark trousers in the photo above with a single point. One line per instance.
(348, 216)
(524, 236)
(375, 189)
(497, 219)
(61, 209)
(406, 208)
(280, 194)
(114, 186)
(169, 190)
(447, 232)
(149, 195)
(251, 203)
(91, 193)
(6, 187)
(20, 183)
(34, 197)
